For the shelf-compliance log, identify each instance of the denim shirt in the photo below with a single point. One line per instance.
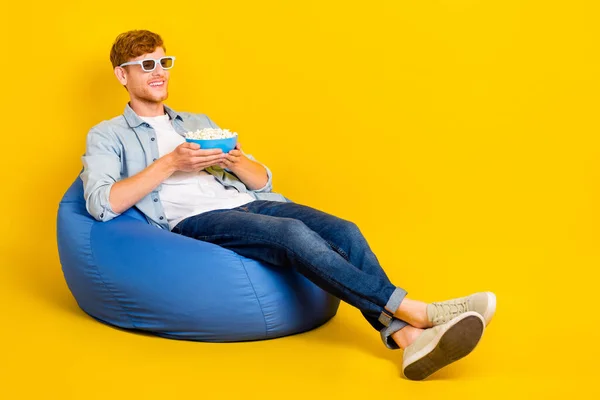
(125, 145)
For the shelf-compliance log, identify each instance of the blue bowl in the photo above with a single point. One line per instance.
(224, 144)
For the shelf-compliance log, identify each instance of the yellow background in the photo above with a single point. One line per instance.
(460, 135)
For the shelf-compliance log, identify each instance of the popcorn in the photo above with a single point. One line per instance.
(210, 133)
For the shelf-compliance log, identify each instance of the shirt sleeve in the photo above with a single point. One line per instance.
(101, 169)
(269, 185)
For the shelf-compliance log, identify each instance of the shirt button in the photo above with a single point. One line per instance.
(152, 139)
(154, 159)
(155, 200)
(161, 218)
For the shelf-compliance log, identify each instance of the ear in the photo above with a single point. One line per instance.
(121, 75)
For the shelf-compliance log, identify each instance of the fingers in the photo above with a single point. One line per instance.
(225, 163)
(197, 160)
(233, 157)
(193, 158)
(200, 166)
(200, 152)
(190, 146)
(195, 148)
(204, 166)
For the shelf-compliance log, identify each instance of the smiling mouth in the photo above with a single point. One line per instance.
(157, 84)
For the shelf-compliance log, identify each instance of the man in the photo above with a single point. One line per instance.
(141, 159)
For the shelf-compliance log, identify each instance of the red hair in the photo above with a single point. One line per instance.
(133, 44)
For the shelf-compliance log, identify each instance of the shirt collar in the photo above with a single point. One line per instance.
(134, 121)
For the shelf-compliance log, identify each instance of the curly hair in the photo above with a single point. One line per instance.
(133, 44)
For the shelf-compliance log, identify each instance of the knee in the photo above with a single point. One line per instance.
(293, 227)
(349, 228)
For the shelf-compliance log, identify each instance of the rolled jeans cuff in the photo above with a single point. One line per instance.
(387, 332)
(393, 303)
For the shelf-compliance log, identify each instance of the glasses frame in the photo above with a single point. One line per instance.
(157, 61)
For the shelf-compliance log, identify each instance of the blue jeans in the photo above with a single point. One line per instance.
(329, 251)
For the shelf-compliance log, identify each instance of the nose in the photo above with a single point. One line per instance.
(159, 71)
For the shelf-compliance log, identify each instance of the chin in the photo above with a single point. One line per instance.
(155, 98)
(163, 98)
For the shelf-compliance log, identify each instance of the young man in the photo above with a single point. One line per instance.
(141, 159)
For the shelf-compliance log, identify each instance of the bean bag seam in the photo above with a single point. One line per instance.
(255, 295)
(104, 283)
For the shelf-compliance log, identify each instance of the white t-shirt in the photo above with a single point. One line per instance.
(184, 194)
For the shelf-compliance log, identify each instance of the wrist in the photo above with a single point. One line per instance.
(167, 164)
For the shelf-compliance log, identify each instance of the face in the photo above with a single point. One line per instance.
(147, 87)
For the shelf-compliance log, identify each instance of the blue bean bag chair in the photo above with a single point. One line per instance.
(131, 275)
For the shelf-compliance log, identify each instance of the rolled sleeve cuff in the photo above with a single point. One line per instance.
(268, 186)
(101, 209)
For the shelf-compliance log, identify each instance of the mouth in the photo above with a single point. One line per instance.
(157, 84)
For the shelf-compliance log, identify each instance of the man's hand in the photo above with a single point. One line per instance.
(252, 173)
(234, 158)
(189, 157)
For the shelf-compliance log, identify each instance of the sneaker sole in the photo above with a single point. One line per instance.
(449, 346)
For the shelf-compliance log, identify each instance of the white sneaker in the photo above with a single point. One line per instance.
(442, 345)
(483, 303)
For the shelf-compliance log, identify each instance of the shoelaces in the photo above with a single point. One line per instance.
(448, 310)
